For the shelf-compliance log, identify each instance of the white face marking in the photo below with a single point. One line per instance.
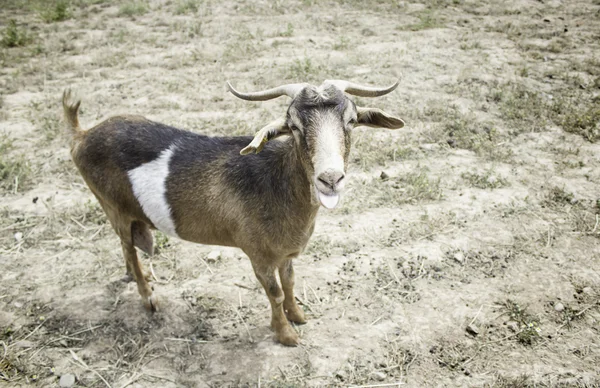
(328, 158)
(327, 148)
(149, 187)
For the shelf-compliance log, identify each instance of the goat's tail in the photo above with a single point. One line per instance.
(71, 110)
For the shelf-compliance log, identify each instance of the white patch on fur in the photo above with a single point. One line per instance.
(149, 187)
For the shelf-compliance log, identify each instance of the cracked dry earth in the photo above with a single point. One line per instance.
(466, 249)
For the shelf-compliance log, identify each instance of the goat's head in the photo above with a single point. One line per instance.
(321, 119)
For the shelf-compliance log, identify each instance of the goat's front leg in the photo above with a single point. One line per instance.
(293, 312)
(283, 330)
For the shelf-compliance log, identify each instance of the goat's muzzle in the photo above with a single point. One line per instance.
(328, 185)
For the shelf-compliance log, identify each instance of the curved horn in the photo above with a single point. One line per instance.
(362, 91)
(289, 90)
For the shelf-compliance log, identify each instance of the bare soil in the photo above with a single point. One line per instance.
(474, 260)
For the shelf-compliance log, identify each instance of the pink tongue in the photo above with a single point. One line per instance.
(329, 201)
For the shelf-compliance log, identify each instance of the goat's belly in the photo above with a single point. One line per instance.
(209, 236)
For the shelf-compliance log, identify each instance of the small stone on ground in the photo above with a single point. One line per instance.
(66, 380)
(472, 329)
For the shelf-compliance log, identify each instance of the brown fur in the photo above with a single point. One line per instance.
(229, 220)
(264, 204)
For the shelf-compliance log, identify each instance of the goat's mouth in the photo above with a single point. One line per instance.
(328, 185)
(328, 201)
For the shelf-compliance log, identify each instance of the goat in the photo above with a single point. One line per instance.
(148, 175)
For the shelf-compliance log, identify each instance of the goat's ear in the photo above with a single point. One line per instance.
(373, 117)
(270, 131)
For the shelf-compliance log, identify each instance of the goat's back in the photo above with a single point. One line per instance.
(127, 160)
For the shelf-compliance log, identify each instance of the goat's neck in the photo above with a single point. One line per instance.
(289, 167)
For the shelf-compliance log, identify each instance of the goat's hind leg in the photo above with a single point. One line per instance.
(137, 232)
(134, 233)
(142, 238)
(144, 289)
(293, 312)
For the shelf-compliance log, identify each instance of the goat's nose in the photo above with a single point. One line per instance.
(331, 178)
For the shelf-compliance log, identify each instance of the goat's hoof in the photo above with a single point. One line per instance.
(128, 277)
(151, 303)
(296, 316)
(287, 336)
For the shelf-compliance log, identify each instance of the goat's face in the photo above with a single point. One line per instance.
(320, 121)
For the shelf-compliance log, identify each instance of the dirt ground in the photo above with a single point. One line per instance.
(466, 250)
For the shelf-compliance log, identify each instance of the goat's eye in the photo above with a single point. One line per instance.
(293, 127)
(352, 122)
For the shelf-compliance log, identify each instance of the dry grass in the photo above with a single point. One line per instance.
(15, 36)
(15, 171)
(528, 329)
(372, 150)
(489, 179)
(463, 130)
(133, 8)
(55, 11)
(426, 19)
(483, 210)
(389, 191)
